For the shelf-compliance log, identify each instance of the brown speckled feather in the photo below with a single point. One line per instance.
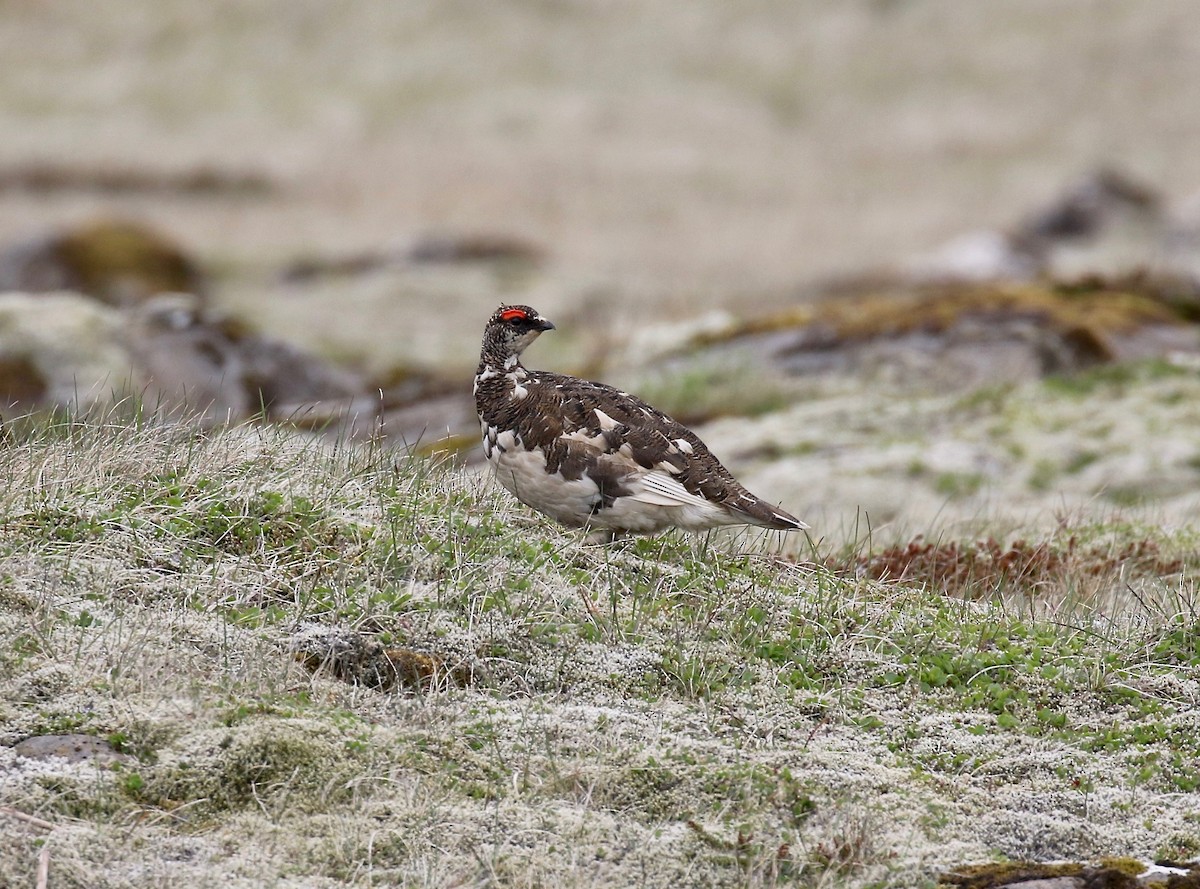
(592, 433)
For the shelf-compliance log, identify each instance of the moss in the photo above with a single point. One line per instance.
(1111, 377)
(1010, 873)
(457, 446)
(120, 261)
(1085, 317)
(1130, 866)
(1181, 846)
(1080, 461)
(632, 691)
(296, 764)
(650, 790)
(1043, 474)
(21, 382)
(956, 485)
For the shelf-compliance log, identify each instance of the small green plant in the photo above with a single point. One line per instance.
(958, 484)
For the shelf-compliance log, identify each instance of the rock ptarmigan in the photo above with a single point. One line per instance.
(591, 456)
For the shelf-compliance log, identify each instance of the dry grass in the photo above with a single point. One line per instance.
(665, 713)
(671, 711)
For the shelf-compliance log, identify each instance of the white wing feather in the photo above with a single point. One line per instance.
(657, 488)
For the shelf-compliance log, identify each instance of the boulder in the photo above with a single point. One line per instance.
(68, 350)
(117, 261)
(64, 350)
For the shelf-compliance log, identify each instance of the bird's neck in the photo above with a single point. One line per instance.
(498, 362)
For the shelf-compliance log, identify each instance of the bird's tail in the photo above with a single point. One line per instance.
(764, 515)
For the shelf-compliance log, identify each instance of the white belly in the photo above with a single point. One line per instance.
(574, 502)
(523, 473)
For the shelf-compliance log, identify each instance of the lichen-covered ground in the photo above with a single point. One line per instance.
(664, 712)
(1114, 444)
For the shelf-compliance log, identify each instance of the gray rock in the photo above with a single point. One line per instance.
(62, 350)
(72, 748)
(68, 350)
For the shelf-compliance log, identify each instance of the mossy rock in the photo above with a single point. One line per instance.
(1110, 874)
(114, 260)
(21, 381)
(120, 262)
(1091, 312)
(972, 333)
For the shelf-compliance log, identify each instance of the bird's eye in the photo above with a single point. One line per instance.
(514, 322)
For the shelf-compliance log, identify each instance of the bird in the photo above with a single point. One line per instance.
(592, 456)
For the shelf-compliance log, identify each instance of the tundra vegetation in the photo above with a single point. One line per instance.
(309, 663)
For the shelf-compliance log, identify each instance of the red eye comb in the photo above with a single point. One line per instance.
(509, 314)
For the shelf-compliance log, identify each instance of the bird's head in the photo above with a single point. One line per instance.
(510, 330)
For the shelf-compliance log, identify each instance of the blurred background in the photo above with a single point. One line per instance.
(360, 183)
(664, 157)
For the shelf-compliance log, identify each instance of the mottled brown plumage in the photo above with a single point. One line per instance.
(590, 455)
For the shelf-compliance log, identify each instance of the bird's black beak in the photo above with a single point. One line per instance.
(543, 324)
